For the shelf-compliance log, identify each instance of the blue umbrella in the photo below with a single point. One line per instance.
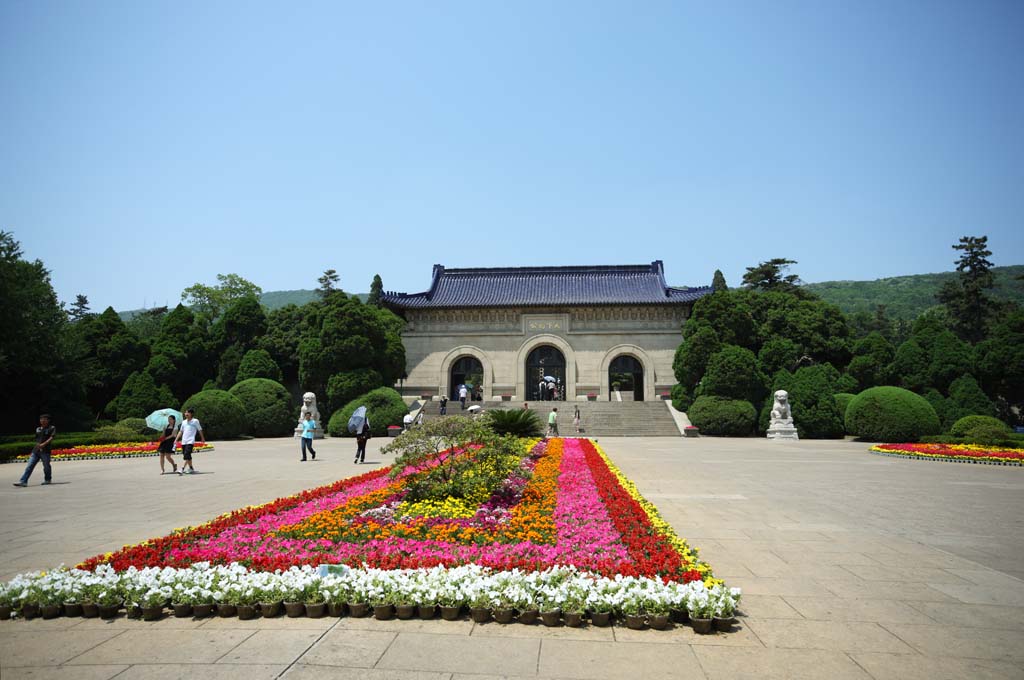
(158, 419)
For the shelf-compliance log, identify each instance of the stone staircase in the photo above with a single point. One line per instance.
(597, 418)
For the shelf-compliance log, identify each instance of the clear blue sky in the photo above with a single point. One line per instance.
(145, 146)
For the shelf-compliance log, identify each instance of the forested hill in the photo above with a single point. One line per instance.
(907, 296)
(271, 300)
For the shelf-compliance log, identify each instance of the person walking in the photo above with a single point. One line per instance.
(166, 447)
(308, 430)
(187, 436)
(576, 420)
(553, 422)
(362, 437)
(463, 393)
(40, 452)
(444, 405)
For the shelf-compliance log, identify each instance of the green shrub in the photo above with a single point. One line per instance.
(986, 434)
(891, 414)
(721, 416)
(135, 426)
(519, 422)
(966, 398)
(384, 406)
(140, 396)
(221, 414)
(843, 400)
(267, 406)
(681, 399)
(257, 363)
(733, 373)
(1010, 440)
(961, 427)
(815, 413)
(346, 386)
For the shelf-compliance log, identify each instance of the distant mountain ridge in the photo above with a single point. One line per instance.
(905, 297)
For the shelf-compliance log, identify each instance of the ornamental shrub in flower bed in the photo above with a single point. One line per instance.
(960, 453)
(100, 451)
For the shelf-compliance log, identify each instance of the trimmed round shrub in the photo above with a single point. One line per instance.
(257, 363)
(221, 414)
(733, 373)
(843, 400)
(891, 414)
(961, 427)
(140, 396)
(724, 417)
(135, 426)
(268, 407)
(344, 387)
(384, 406)
(986, 434)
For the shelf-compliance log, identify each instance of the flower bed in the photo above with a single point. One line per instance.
(565, 529)
(956, 453)
(100, 451)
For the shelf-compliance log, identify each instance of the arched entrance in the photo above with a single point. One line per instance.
(543, 363)
(468, 371)
(627, 374)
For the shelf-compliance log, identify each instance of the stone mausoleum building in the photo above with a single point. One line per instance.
(505, 331)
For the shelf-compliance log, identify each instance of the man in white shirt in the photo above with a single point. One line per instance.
(190, 427)
(463, 393)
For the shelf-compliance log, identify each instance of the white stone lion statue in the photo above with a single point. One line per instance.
(780, 409)
(309, 406)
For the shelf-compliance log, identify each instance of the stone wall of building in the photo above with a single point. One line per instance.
(501, 339)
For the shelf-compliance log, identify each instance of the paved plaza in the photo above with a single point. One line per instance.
(852, 566)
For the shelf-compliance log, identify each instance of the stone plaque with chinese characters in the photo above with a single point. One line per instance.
(535, 324)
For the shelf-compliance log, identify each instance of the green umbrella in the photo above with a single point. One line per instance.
(157, 420)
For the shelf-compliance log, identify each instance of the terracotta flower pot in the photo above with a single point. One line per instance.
(358, 609)
(426, 611)
(50, 611)
(504, 615)
(658, 621)
(201, 611)
(528, 616)
(246, 612)
(480, 614)
(335, 609)
(701, 626)
(152, 613)
(316, 610)
(294, 610)
(383, 612)
(182, 610)
(635, 621)
(450, 613)
(109, 611)
(72, 609)
(90, 610)
(601, 619)
(270, 609)
(574, 619)
(724, 624)
(405, 611)
(551, 618)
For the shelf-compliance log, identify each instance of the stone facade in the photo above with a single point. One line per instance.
(644, 325)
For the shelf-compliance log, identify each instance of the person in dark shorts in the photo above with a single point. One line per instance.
(362, 437)
(166, 448)
(40, 452)
(187, 436)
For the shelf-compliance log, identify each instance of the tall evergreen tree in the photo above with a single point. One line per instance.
(79, 308)
(718, 281)
(967, 298)
(328, 283)
(771, 275)
(376, 290)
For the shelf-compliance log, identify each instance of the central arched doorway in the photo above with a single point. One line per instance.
(544, 365)
(466, 371)
(626, 374)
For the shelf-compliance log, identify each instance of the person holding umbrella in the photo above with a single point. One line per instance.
(166, 447)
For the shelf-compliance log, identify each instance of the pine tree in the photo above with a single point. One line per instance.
(376, 290)
(967, 298)
(718, 282)
(328, 283)
(79, 308)
(769, 276)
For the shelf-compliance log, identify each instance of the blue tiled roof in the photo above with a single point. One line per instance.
(546, 287)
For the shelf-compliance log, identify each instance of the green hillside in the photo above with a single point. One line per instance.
(279, 298)
(907, 296)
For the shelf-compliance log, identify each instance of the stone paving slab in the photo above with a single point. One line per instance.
(852, 567)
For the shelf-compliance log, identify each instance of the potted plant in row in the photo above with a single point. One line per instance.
(152, 603)
(109, 601)
(591, 396)
(633, 612)
(702, 610)
(480, 606)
